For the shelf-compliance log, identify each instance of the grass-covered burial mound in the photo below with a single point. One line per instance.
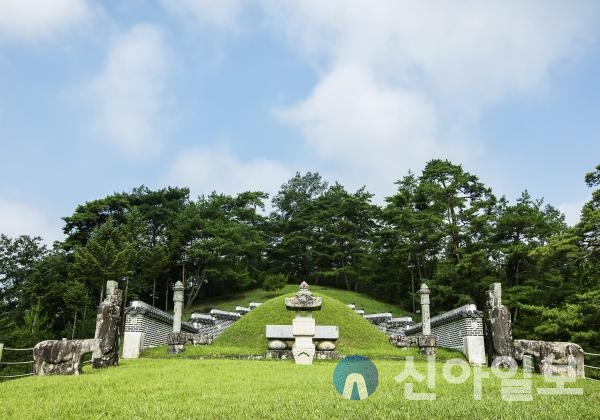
(247, 336)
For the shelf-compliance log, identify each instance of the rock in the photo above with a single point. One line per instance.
(403, 341)
(326, 346)
(277, 345)
(200, 339)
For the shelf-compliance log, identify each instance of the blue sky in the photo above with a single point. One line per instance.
(231, 95)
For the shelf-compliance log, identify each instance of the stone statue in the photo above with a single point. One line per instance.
(108, 327)
(62, 357)
(498, 326)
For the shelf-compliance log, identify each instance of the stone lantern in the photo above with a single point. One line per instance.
(303, 326)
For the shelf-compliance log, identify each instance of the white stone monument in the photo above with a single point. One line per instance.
(303, 326)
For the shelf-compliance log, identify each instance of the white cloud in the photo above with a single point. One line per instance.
(404, 81)
(204, 170)
(475, 49)
(572, 211)
(221, 13)
(31, 19)
(352, 119)
(22, 219)
(129, 95)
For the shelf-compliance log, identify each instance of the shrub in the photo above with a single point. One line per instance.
(273, 282)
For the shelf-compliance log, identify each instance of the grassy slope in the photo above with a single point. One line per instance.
(247, 336)
(361, 300)
(140, 389)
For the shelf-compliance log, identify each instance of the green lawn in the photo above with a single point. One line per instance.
(248, 389)
(247, 336)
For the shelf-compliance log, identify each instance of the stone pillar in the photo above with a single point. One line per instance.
(177, 306)
(427, 342)
(177, 339)
(425, 314)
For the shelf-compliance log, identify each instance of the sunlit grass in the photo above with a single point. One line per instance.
(184, 388)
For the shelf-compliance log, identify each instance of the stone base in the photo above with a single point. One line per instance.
(427, 344)
(303, 355)
(176, 342)
(287, 354)
(474, 349)
(133, 343)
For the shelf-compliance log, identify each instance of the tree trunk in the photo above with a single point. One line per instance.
(347, 282)
(194, 292)
(167, 296)
(153, 292)
(74, 323)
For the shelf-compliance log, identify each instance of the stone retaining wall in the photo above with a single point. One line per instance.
(147, 326)
(460, 329)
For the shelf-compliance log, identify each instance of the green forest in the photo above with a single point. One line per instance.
(443, 226)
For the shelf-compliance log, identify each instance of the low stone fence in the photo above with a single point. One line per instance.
(12, 365)
(460, 329)
(147, 326)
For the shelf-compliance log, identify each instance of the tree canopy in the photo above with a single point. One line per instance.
(443, 226)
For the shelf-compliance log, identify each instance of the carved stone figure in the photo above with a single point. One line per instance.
(552, 358)
(108, 326)
(498, 325)
(62, 357)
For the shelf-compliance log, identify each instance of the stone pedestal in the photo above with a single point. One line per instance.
(474, 349)
(427, 344)
(133, 343)
(176, 342)
(303, 329)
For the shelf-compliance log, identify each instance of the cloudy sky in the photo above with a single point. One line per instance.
(231, 95)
